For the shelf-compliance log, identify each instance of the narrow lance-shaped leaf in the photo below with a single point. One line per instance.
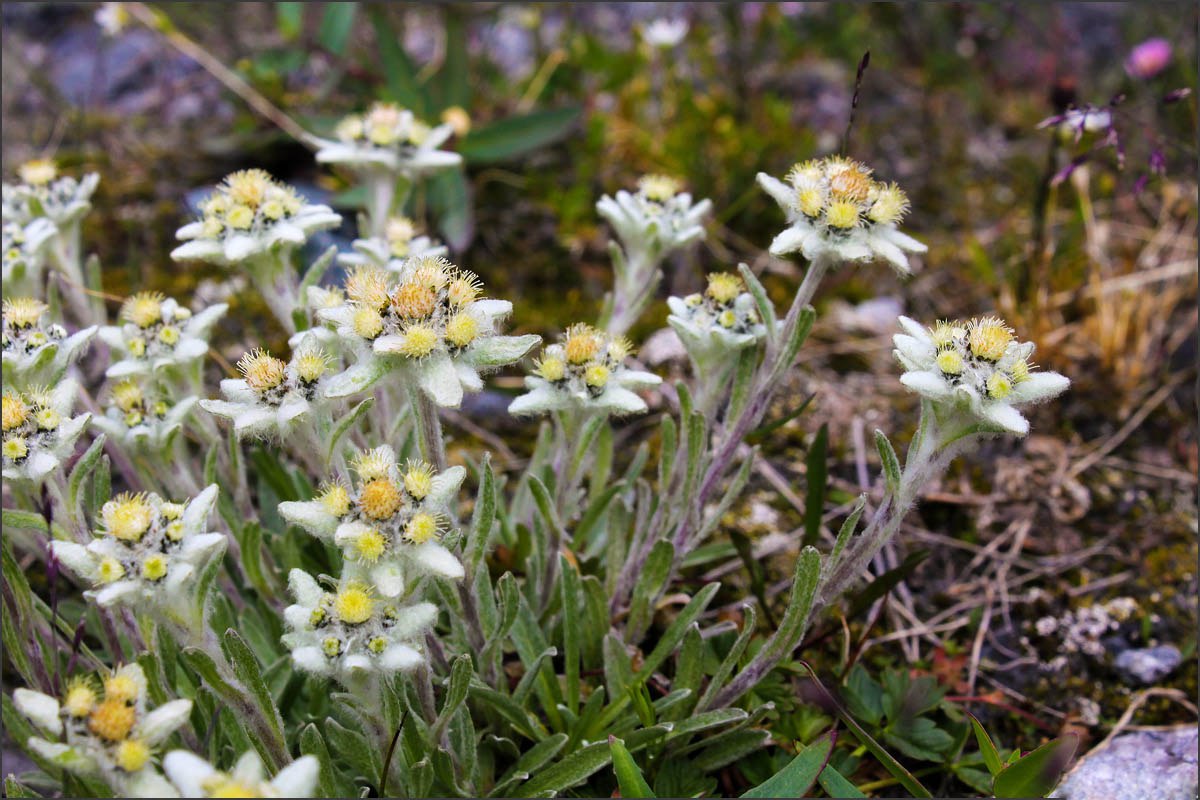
(629, 775)
(891, 464)
(814, 501)
(800, 774)
(1036, 774)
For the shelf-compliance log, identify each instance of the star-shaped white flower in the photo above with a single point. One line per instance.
(36, 350)
(142, 420)
(974, 367)
(391, 138)
(149, 551)
(585, 372)
(837, 211)
(353, 632)
(24, 249)
(158, 334)
(39, 431)
(655, 220)
(42, 193)
(388, 524)
(715, 324)
(192, 776)
(399, 243)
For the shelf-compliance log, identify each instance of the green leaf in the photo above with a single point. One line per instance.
(800, 774)
(1038, 773)
(707, 720)
(353, 749)
(891, 464)
(336, 25)
(835, 783)
(629, 776)
(675, 631)
(346, 423)
(83, 468)
(461, 672)
(572, 623)
(246, 668)
(766, 310)
(847, 529)
(804, 586)
(16, 519)
(289, 18)
(991, 756)
(814, 500)
(517, 135)
(453, 79)
(730, 662)
(583, 763)
(312, 744)
(399, 73)
(14, 788)
(649, 586)
(531, 761)
(483, 516)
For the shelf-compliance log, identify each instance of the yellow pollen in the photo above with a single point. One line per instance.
(658, 188)
(842, 214)
(377, 645)
(15, 448)
(23, 312)
(169, 335)
(172, 510)
(273, 209)
(350, 128)
(132, 755)
(810, 202)
(367, 286)
(310, 365)
(431, 271)
(989, 338)
(112, 720)
(13, 411)
(143, 309)
(379, 498)
(890, 206)
(805, 172)
(370, 545)
(551, 368)
(223, 786)
(943, 334)
(693, 300)
(950, 362)
(421, 528)
(1019, 371)
(331, 646)
(372, 464)
(727, 319)
(999, 386)
(619, 349)
(354, 604)
(723, 287)
(582, 343)
(596, 376)
(463, 288)
(80, 699)
(851, 184)
(110, 570)
(174, 531)
(419, 341)
(461, 330)
(126, 517)
(48, 419)
(367, 323)
(414, 300)
(38, 172)
(119, 686)
(154, 568)
(127, 394)
(240, 218)
(262, 371)
(418, 479)
(137, 347)
(248, 187)
(336, 500)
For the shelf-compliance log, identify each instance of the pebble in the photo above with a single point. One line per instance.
(1147, 765)
(1148, 665)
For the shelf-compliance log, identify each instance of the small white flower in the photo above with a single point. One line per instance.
(251, 214)
(718, 322)
(192, 776)
(587, 372)
(43, 194)
(112, 18)
(351, 632)
(149, 550)
(35, 349)
(142, 419)
(39, 431)
(390, 138)
(158, 333)
(665, 33)
(656, 220)
(976, 367)
(837, 210)
(24, 253)
(273, 396)
(429, 323)
(388, 524)
(399, 243)
(103, 728)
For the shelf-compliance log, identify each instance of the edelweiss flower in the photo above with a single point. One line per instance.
(389, 523)
(272, 395)
(655, 220)
(836, 209)
(39, 431)
(715, 323)
(24, 253)
(195, 777)
(35, 349)
(430, 322)
(102, 729)
(975, 366)
(585, 371)
(389, 137)
(148, 552)
(250, 214)
(142, 421)
(399, 243)
(158, 334)
(42, 193)
(351, 631)
(665, 33)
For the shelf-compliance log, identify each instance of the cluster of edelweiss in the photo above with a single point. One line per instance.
(407, 319)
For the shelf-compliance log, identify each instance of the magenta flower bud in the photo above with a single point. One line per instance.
(1148, 59)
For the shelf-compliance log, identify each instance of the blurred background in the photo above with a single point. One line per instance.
(1079, 229)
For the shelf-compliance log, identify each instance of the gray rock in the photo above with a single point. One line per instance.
(1148, 664)
(1147, 765)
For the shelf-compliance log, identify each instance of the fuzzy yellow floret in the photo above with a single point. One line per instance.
(13, 411)
(38, 172)
(596, 376)
(372, 464)
(582, 343)
(368, 287)
(109, 570)
(222, 786)
(80, 698)
(399, 229)
(659, 188)
(943, 334)
(310, 364)
(23, 312)
(461, 330)
(121, 686)
(413, 300)
(112, 720)
(463, 288)
(727, 319)
(331, 646)
(248, 187)
(169, 335)
(349, 128)
(551, 368)
(132, 755)
(368, 323)
(336, 500)
(842, 214)
(619, 349)
(262, 370)
(723, 287)
(127, 394)
(431, 271)
(851, 183)
(989, 338)
(419, 341)
(127, 517)
(137, 347)
(810, 201)
(418, 479)
(240, 218)
(48, 419)
(354, 604)
(950, 362)
(379, 498)
(154, 568)
(890, 205)
(370, 545)
(143, 309)
(421, 528)
(998, 386)
(15, 448)
(1019, 371)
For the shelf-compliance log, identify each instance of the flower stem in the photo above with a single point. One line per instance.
(429, 428)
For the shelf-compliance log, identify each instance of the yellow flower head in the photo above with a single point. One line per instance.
(48, 419)
(461, 330)
(890, 206)
(724, 287)
(169, 335)
(310, 364)
(370, 546)
(349, 128)
(137, 347)
(23, 312)
(998, 386)
(659, 188)
(1019, 371)
(380, 498)
(422, 527)
(248, 187)
(943, 334)
(419, 341)
(431, 271)
(121, 686)
(368, 287)
(354, 603)
(127, 517)
(988, 338)
(80, 698)
(810, 201)
(842, 214)
(240, 218)
(620, 349)
(418, 479)
(582, 343)
(15, 448)
(399, 230)
(172, 511)
(551, 368)
(154, 568)
(13, 410)
(112, 720)
(414, 300)
(127, 394)
(373, 464)
(950, 362)
(458, 119)
(143, 309)
(262, 371)
(132, 755)
(850, 180)
(596, 376)
(38, 172)
(368, 323)
(335, 499)
(727, 319)
(109, 571)
(331, 646)
(806, 172)
(463, 288)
